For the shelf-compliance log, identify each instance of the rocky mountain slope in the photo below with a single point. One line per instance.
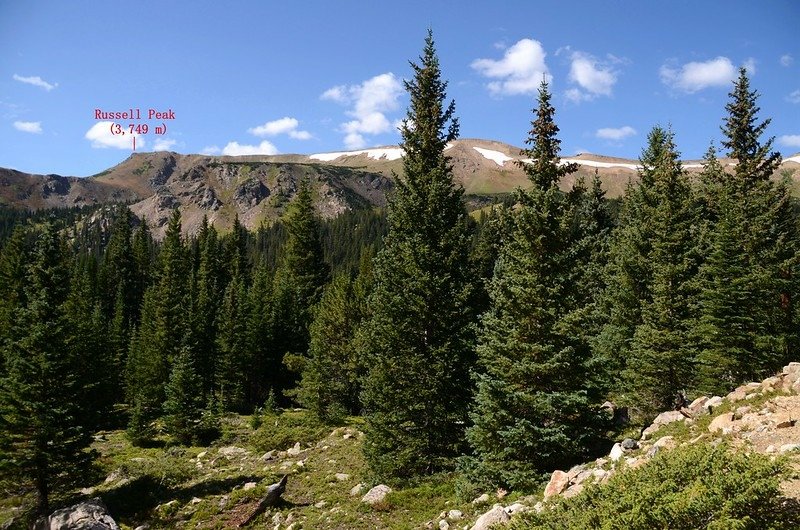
(257, 188)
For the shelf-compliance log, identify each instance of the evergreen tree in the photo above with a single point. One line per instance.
(298, 286)
(743, 134)
(660, 363)
(14, 259)
(532, 410)
(87, 341)
(629, 272)
(747, 322)
(119, 273)
(419, 336)
(162, 333)
(234, 356)
(184, 400)
(266, 363)
(207, 297)
(43, 438)
(331, 381)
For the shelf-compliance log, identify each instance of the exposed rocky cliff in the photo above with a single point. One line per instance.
(257, 188)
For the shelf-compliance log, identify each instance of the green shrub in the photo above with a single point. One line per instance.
(688, 488)
(282, 431)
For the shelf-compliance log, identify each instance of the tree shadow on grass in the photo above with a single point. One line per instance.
(135, 499)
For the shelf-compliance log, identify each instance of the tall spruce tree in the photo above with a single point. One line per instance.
(629, 272)
(298, 286)
(162, 333)
(660, 362)
(532, 411)
(747, 322)
(43, 437)
(743, 132)
(266, 361)
(206, 301)
(419, 337)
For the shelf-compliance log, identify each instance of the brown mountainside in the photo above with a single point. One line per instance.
(257, 188)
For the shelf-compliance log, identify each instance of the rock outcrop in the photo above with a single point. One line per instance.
(773, 426)
(88, 515)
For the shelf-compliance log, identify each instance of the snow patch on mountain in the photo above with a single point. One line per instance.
(595, 163)
(496, 156)
(386, 153)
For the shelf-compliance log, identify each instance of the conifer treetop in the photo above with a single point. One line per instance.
(742, 131)
(544, 168)
(661, 156)
(429, 126)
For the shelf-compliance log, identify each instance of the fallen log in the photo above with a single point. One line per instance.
(272, 497)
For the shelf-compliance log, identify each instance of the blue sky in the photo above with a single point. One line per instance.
(318, 76)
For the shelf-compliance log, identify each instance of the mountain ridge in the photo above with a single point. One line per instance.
(256, 188)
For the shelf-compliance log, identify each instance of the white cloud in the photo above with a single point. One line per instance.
(790, 140)
(337, 94)
(593, 77)
(164, 144)
(794, 97)
(235, 149)
(285, 125)
(369, 101)
(617, 134)
(211, 150)
(34, 127)
(520, 71)
(786, 60)
(35, 80)
(695, 76)
(101, 137)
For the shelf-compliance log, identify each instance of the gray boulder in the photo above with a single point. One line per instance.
(88, 515)
(376, 494)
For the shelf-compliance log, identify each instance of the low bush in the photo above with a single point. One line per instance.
(694, 487)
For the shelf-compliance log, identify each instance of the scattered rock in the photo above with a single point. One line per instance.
(444, 525)
(713, 403)
(249, 486)
(376, 494)
(723, 422)
(792, 368)
(667, 442)
(232, 451)
(616, 452)
(269, 455)
(698, 406)
(517, 507)
(455, 515)
(195, 500)
(737, 395)
(201, 455)
(573, 490)
(320, 504)
(294, 451)
(91, 515)
(789, 448)
(770, 449)
(482, 499)
(558, 483)
(786, 424)
(629, 444)
(341, 477)
(356, 490)
(599, 474)
(662, 419)
(494, 516)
